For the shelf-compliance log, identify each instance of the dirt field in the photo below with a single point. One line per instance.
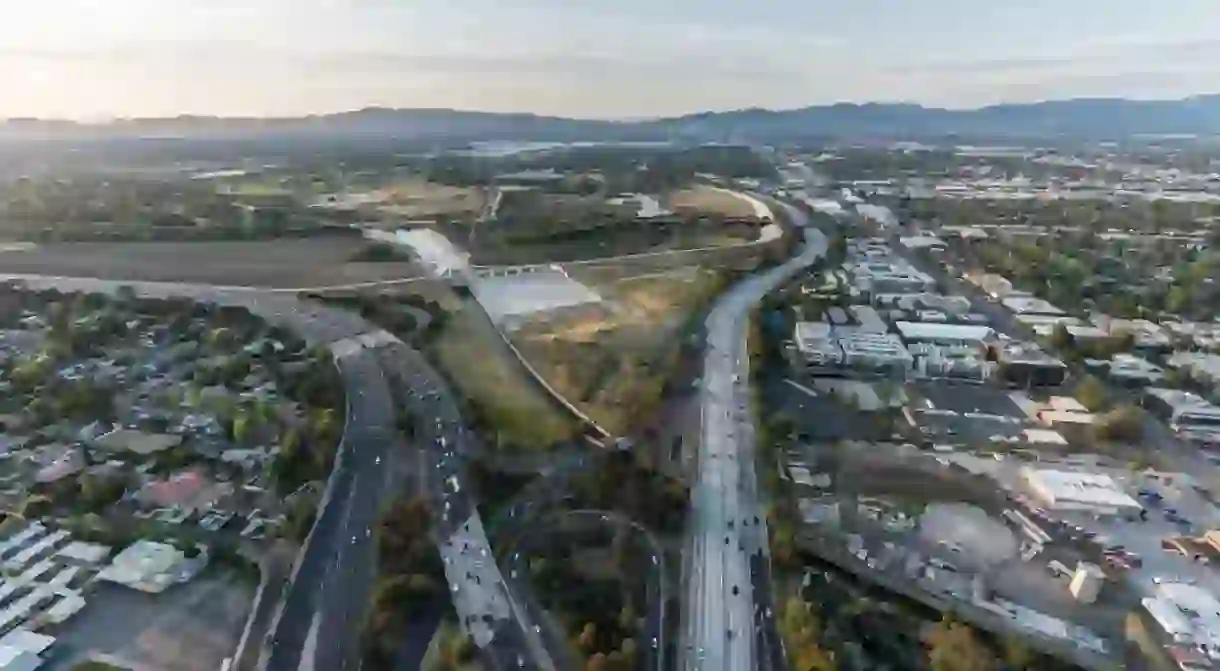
(425, 199)
(273, 263)
(703, 199)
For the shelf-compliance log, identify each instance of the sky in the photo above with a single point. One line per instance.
(98, 59)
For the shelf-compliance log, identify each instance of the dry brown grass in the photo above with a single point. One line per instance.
(483, 370)
(703, 199)
(613, 362)
(427, 199)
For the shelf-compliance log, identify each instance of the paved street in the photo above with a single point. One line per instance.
(726, 622)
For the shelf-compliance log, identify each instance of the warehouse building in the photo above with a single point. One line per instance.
(945, 334)
(825, 346)
(1027, 365)
(1187, 615)
(1075, 491)
(1191, 415)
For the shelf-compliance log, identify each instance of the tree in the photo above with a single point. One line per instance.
(597, 662)
(1124, 423)
(1018, 656)
(1062, 339)
(1091, 393)
(953, 646)
(588, 637)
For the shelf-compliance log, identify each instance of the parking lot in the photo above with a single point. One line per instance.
(191, 627)
(965, 398)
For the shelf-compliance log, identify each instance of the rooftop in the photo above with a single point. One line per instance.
(1074, 489)
(136, 441)
(1030, 305)
(943, 332)
(145, 565)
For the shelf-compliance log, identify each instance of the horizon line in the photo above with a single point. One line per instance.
(104, 120)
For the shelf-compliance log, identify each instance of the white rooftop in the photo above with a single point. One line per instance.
(145, 565)
(24, 639)
(1187, 613)
(954, 332)
(1073, 489)
(1030, 305)
(508, 296)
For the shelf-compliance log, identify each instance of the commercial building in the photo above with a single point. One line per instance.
(1030, 305)
(945, 334)
(1076, 491)
(822, 345)
(150, 567)
(891, 275)
(995, 286)
(868, 319)
(1189, 414)
(1148, 336)
(1027, 365)
(1133, 370)
(1087, 582)
(1201, 366)
(961, 362)
(816, 344)
(874, 352)
(922, 302)
(1187, 615)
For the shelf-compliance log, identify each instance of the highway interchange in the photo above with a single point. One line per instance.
(727, 611)
(729, 623)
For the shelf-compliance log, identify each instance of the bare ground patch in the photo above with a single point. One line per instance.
(265, 263)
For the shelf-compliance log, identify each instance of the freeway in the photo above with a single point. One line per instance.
(488, 609)
(728, 622)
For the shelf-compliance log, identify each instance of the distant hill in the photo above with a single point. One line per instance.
(1094, 118)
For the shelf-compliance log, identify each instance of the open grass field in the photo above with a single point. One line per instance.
(483, 370)
(613, 362)
(425, 199)
(284, 263)
(704, 199)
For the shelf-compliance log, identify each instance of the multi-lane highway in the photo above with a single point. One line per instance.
(727, 621)
(487, 606)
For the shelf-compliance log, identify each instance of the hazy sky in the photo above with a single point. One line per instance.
(594, 58)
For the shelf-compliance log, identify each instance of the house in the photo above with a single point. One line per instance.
(188, 490)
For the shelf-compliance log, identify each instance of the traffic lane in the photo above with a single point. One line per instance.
(480, 592)
(351, 578)
(716, 363)
(292, 631)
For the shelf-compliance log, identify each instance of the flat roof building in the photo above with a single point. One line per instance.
(1134, 370)
(816, 344)
(868, 319)
(1030, 305)
(1189, 414)
(1026, 364)
(147, 566)
(1072, 490)
(1187, 614)
(944, 334)
(875, 351)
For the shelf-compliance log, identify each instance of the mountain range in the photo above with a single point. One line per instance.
(1082, 118)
